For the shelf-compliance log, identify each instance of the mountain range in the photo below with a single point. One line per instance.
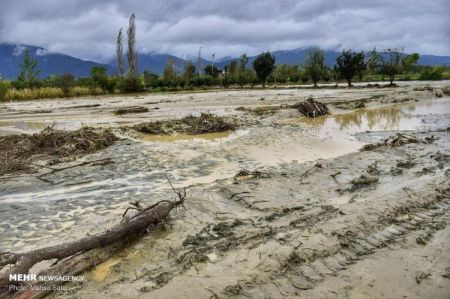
(11, 56)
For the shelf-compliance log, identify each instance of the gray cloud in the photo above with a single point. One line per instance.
(87, 29)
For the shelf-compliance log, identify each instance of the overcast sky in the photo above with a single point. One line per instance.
(88, 28)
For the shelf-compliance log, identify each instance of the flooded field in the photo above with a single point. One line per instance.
(279, 234)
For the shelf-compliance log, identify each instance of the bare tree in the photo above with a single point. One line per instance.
(119, 51)
(131, 53)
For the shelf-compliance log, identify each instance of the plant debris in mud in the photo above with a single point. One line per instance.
(71, 252)
(133, 109)
(398, 140)
(368, 177)
(311, 108)
(212, 232)
(260, 110)
(355, 104)
(424, 88)
(205, 123)
(17, 152)
(421, 276)
(247, 174)
(446, 90)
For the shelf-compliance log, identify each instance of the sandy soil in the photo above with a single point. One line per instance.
(300, 228)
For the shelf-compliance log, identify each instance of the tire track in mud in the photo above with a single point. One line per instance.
(256, 250)
(224, 237)
(297, 275)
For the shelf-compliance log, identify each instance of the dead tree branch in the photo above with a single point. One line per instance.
(22, 262)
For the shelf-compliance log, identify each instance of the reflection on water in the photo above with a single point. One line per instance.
(8, 127)
(387, 118)
(183, 137)
(396, 117)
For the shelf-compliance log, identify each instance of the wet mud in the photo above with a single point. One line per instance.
(281, 207)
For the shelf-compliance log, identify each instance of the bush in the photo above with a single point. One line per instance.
(99, 78)
(264, 65)
(4, 87)
(112, 84)
(65, 82)
(151, 80)
(436, 73)
(132, 83)
(43, 93)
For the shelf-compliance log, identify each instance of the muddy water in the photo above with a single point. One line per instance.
(92, 195)
(400, 117)
(218, 136)
(101, 271)
(8, 127)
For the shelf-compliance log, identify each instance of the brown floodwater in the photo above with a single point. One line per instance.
(399, 117)
(217, 136)
(102, 270)
(9, 127)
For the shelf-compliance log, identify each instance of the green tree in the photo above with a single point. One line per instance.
(361, 65)
(169, 75)
(190, 70)
(4, 87)
(410, 62)
(264, 65)
(374, 62)
(315, 65)
(132, 83)
(28, 71)
(131, 52)
(65, 82)
(151, 79)
(287, 73)
(233, 70)
(393, 64)
(212, 70)
(99, 78)
(119, 52)
(243, 60)
(335, 75)
(243, 73)
(347, 65)
(432, 73)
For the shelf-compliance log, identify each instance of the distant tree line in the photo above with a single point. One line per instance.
(349, 66)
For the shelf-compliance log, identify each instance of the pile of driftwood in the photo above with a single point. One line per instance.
(18, 152)
(398, 140)
(76, 257)
(132, 109)
(205, 123)
(311, 108)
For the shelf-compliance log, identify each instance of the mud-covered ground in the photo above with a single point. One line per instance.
(313, 217)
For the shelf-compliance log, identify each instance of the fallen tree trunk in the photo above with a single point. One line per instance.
(128, 230)
(311, 108)
(72, 266)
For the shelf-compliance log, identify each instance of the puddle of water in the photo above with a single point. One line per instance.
(396, 117)
(223, 170)
(331, 136)
(303, 149)
(8, 127)
(24, 125)
(218, 136)
(102, 270)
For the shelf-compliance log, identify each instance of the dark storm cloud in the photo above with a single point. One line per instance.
(87, 29)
